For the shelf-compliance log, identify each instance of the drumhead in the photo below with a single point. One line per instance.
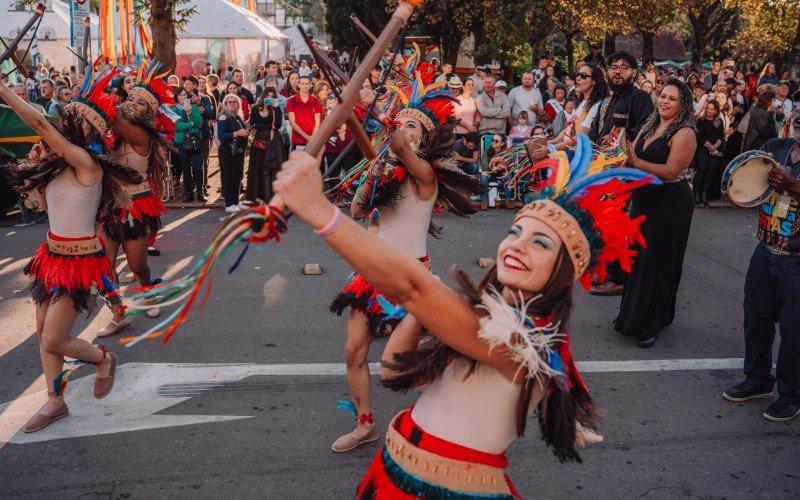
(745, 179)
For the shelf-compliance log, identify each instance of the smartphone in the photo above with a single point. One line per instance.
(269, 101)
(187, 102)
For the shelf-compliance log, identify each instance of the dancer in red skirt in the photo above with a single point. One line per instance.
(139, 146)
(411, 175)
(498, 351)
(70, 270)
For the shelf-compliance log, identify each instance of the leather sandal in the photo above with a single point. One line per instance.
(39, 421)
(103, 385)
(114, 327)
(350, 441)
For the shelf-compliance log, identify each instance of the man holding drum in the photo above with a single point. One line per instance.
(772, 289)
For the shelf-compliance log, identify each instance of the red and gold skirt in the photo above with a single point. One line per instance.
(360, 295)
(138, 220)
(414, 464)
(74, 267)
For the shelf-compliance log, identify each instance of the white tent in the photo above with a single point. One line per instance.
(223, 34)
(53, 35)
(298, 45)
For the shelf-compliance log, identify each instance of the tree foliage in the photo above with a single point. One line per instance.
(166, 18)
(771, 32)
(342, 33)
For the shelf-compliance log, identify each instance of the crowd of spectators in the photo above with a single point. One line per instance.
(265, 115)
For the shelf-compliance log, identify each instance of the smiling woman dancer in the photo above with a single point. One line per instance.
(141, 148)
(412, 174)
(71, 268)
(499, 352)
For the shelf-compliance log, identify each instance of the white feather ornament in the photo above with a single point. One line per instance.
(529, 346)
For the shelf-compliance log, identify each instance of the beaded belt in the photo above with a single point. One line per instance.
(452, 474)
(74, 246)
(138, 190)
(681, 177)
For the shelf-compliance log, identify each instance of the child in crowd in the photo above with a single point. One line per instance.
(521, 132)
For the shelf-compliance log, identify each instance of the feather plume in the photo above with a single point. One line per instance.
(529, 345)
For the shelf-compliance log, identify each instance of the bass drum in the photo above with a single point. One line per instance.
(744, 181)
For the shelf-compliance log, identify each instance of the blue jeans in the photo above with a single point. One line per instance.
(506, 191)
(192, 166)
(772, 294)
(469, 168)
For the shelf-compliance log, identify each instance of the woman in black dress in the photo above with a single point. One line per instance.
(267, 150)
(708, 158)
(664, 147)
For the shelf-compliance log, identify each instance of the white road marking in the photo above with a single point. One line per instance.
(139, 393)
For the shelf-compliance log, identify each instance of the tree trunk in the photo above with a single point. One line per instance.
(610, 43)
(570, 45)
(163, 31)
(647, 47)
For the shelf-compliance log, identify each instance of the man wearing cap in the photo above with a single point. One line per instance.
(527, 98)
(493, 107)
(594, 56)
(771, 288)
(477, 79)
(501, 86)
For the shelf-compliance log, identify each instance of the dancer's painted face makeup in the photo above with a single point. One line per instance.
(136, 105)
(527, 257)
(413, 129)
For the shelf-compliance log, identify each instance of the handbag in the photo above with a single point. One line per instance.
(260, 144)
(192, 143)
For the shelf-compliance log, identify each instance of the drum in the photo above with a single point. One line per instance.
(745, 179)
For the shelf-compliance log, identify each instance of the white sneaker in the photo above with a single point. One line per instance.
(232, 209)
(243, 205)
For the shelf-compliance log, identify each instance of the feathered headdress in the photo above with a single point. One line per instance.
(585, 205)
(151, 86)
(421, 99)
(96, 107)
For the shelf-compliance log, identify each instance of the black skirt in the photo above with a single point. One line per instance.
(648, 301)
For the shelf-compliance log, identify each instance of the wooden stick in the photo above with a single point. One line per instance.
(351, 93)
(359, 134)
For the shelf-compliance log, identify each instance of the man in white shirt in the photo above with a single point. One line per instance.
(782, 103)
(304, 70)
(526, 97)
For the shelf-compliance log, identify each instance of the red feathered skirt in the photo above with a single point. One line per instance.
(360, 295)
(74, 267)
(138, 220)
(414, 464)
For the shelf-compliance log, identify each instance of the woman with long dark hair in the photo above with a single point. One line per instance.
(664, 148)
(486, 366)
(189, 146)
(267, 151)
(591, 88)
(292, 86)
(141, 148)
(70, 269)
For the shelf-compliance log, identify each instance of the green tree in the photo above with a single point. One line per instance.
(166, 18)
(771, 32)
(342, 33)
(710, 21)
(647, 17)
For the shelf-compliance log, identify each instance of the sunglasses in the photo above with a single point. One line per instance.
(660, 82)
(581, 74)
(496, 141)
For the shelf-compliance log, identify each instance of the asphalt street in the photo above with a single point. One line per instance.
(242, 402)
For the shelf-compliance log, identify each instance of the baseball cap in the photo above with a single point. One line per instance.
(501, 83)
